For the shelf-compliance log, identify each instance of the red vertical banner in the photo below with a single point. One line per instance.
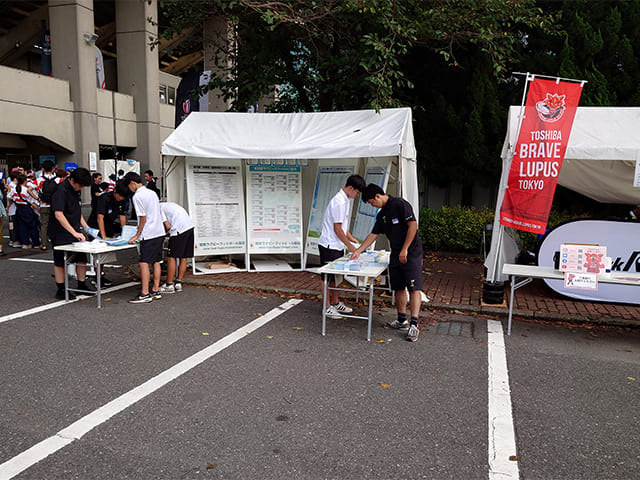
(548, 117)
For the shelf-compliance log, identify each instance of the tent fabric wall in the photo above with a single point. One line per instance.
(599, 163)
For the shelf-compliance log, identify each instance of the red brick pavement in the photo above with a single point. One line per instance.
(450, 282)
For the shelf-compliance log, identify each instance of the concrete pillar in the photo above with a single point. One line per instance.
(219, 45)
(138, 75)
(73, 59)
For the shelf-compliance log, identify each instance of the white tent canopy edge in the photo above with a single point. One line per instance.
(599, 163)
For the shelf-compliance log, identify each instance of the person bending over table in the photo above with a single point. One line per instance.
(151, 234)
(181, 228)
(65, 222)
(398, 222)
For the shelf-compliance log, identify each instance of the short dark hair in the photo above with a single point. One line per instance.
(48, 165)
(96, 175)
(122, 189)
(131, 177)
(120, 172)
(149, 172)
(357, 182)
(371, 191)
(81, 176)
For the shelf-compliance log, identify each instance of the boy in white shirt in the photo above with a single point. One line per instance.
(181, 237)
(151, 233)
(335, 237)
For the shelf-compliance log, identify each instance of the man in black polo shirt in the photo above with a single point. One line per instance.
(111, 211)
(398, 222)
(65, 222)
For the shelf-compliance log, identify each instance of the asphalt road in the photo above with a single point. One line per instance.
(281, 401)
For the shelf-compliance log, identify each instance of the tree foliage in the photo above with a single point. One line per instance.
(345, 54)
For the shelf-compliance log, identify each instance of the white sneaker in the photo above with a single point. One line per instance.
(412, 334)
(333, 313)
(177, 286)
(164, 288)
(342, 308)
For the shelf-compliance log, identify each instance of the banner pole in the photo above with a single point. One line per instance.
(529, 78)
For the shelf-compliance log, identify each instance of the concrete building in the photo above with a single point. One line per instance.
(82, 111)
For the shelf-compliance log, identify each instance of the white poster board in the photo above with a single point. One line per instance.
(274, 207)
(216, 204)
(366, 214)
(329, 180)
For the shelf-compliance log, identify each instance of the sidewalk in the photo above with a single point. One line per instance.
(451, 283)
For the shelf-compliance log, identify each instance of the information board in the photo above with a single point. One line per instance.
(274, 207)
(329, 180)
(366, 214)
(216, 205)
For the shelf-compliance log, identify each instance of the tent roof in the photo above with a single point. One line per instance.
(598, 133)
(350, 134)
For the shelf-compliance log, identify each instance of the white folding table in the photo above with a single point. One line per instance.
(97, 253)
(368, 273)
(529, 272)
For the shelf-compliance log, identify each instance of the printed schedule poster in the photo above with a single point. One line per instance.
(216, 204)
(366, 215)
(274, 208)
(329, 180)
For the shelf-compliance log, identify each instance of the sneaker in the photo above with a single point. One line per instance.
(60, 295)
(398, 325)
(412, 334)
(167, 288)
(177, 286)
(141, 298)
(155, 295)
(342, 308)
(333, 313)
(104, 282)
(25, 247)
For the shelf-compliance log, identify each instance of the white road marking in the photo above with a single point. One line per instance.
(76, 430)
(503, 463)
(60, 303)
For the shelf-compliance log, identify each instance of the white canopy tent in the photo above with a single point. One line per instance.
(321, 138)
(599, 163)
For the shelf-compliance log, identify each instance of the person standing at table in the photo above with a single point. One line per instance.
(398, 222)
(65, 222)
(181, 238)
(151, 234)
(335, 237)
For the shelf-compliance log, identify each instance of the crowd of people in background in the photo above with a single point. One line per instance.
(25, 203)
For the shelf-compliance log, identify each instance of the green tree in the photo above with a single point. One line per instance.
(342, 54)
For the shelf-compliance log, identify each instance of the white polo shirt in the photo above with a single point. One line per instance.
(147, 205)
(177, 217)
(337, 212)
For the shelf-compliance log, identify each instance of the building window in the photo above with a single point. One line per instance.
(163, 94)
(171, 95)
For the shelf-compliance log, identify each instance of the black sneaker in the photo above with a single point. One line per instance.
(104, 282)
(155, 295)
(60, 295)
(141, 298)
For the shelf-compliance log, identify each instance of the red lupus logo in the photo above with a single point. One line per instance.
(551, 108)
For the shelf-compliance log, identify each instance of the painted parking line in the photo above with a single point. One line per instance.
(78, 429)
(503, 460)
(60, 303)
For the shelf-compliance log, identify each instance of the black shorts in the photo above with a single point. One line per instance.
(328, 255)
(58, 258)
(406, 275)
(151, 250)
(181, 245)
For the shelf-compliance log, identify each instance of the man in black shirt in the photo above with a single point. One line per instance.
(151, 182)
(398, 222)
(111, 211)
(65, 221)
